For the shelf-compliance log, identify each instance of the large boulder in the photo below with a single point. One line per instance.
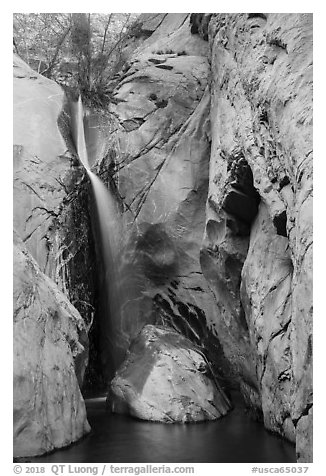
(166, 378)
(257, 251)
(49, 411)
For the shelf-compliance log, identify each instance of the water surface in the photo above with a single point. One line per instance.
(236, 438)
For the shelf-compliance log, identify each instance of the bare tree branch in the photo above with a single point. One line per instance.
(49, 69)
(105, 32)
(15, 46)
(122, 36)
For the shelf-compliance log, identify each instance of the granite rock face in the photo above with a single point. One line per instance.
(166, 378)
(160, 146)
(49, 411)
(257, 251)
(40, 162)
(50, 190)
(51, 264)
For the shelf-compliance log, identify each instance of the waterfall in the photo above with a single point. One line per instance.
(109, 226)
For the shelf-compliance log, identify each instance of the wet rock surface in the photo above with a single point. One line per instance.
(161, 144)
(166, 378)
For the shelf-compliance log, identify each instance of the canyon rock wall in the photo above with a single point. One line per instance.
(220, 106)
(50, 268)
(257, 251)
(51, 192)
(161, 148)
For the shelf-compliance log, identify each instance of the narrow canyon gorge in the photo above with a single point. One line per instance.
(198, 293)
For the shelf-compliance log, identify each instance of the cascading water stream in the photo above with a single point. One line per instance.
(109, 226)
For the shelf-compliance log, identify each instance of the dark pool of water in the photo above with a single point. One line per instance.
(236, 438)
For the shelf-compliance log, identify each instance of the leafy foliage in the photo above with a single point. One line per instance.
(80, 51)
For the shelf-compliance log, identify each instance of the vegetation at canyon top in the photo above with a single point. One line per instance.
(80, 51)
